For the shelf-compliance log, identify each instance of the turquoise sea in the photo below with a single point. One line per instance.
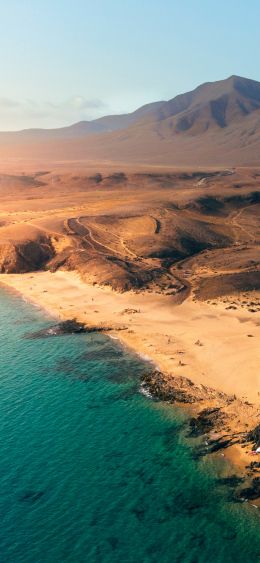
(93, 471)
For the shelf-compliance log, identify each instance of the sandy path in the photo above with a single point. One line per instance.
(227, 360)
(234, 222)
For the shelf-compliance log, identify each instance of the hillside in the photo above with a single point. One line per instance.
(164, 231)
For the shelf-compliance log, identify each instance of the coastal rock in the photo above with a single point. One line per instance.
(206, 420)
(66, 327)
(231, 481)
(252, 492)
(254, 436)
(212, 446)
(253, 466)
(174, 390)
(166, 387)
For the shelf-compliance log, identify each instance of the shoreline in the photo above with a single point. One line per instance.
(171, 344)
(167, 335)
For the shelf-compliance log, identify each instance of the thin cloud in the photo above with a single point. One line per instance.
(77, 102)
(15, 114)
(81, 103)
(8, 103)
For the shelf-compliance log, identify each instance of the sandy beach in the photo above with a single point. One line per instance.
(206, 343)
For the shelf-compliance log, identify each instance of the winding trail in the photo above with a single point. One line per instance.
(234, 223)
(77, 228)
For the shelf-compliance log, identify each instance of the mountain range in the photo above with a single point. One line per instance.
(218, 123)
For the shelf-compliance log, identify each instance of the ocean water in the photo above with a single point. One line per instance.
(93, 471)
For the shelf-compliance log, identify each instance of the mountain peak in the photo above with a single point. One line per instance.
(211, 104)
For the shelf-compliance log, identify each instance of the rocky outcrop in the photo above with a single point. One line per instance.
(25, 256)
(71, 326)
(177, 389)
(254, 436)
(107, 270)
(213, 427)
(206, 420)
(252, 492)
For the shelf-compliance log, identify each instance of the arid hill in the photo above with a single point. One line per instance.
(217, 124)
(177, 232)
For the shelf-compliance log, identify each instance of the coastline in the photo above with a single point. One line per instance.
(168, 336)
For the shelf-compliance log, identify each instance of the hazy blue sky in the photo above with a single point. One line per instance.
(66, 60)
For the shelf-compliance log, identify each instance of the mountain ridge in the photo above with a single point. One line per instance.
(161, 108)
(217, 122)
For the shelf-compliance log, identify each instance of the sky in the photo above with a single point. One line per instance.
(67, 60)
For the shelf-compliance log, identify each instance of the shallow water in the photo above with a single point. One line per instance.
(93, 471)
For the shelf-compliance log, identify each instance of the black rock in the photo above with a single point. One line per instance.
(204, 422)
(221, 444)
(252, 492)
(181, 389)
(253, 465)
(231, 481)
(254, 436)
(64, 327)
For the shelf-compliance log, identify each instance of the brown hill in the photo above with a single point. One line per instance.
(212, 104)
(216, 124)
(168, 231)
